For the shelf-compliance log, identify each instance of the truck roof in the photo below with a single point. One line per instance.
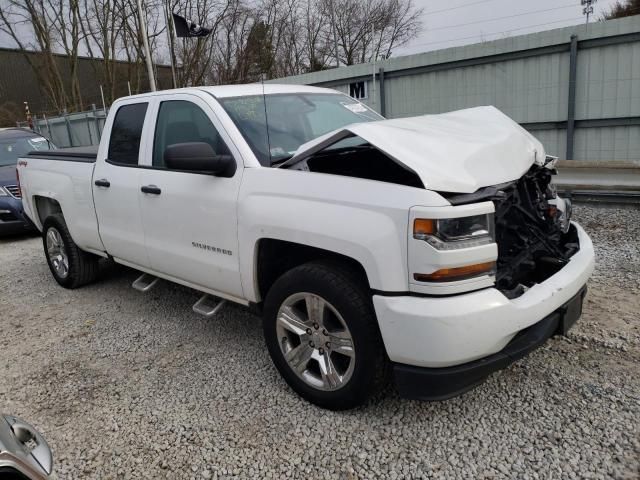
(224, 91)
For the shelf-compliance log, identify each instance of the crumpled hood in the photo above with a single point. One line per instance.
(458, 151)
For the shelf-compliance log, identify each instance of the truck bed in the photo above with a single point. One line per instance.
(65, 177)
(72, 154)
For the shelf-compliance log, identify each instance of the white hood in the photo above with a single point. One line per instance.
(458, 151)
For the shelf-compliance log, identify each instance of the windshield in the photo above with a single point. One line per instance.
(13, 147)
(294, 119)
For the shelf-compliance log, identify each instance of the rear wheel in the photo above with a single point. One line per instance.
(322, 335)
(70, 266)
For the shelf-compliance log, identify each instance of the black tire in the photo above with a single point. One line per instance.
(346, 292)
(83, 266)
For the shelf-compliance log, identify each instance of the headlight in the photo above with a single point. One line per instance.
(3, 193)
(560, 209)
(455, 233)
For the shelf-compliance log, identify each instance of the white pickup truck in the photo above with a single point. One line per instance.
(432, 249)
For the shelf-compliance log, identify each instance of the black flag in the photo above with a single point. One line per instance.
(186, 28)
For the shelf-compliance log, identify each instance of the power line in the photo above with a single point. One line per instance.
(496, 33)
(573, 5)
(455, 8)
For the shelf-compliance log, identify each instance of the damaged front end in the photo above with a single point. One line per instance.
(533, 228)
(534, 233)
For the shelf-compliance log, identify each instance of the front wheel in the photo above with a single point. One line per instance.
(323, 337)
(70, 266)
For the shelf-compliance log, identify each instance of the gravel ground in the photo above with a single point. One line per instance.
(131, 385)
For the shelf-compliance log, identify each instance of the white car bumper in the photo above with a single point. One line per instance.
(441, 332)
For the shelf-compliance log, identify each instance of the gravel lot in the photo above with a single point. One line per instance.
(132, 385)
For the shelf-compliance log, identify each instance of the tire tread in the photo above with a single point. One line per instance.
(354, 291)
(83, 266)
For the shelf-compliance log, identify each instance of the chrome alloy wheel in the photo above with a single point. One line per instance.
(315, 341)
(57, 253)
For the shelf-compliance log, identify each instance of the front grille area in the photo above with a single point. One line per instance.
(14, 191)
(531, 245)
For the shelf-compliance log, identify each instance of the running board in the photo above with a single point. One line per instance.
(145, 282)
(208, 305)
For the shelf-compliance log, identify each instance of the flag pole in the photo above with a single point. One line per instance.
(147, 51)
(169, 22)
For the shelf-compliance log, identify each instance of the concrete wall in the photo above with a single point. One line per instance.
(528, 77)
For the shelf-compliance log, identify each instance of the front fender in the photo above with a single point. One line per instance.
(362, 219)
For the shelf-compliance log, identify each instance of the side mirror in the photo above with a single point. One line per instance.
(198, 157)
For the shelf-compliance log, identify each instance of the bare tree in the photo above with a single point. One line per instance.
(64, 18)
(625, 8)
(132, 32)
(249, 39)
(35, 15)
(102, 26)
(198, 55)
(368, 30)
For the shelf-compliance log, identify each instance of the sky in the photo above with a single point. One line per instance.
(449, 23)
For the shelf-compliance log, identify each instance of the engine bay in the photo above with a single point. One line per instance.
(361, 161)
(533, 231)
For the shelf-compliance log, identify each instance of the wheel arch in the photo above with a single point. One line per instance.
(45, 207)
(274, 257)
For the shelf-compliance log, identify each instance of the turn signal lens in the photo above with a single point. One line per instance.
(423, 226)
(457, 273)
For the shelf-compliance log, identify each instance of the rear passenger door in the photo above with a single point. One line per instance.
(190, 219)
(116, 184)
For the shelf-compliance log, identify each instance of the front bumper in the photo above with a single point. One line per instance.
(439, 332)
(441, 383)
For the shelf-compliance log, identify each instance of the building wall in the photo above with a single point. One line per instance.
(18, 82)
(528, 78)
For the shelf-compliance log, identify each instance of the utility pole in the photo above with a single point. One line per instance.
(587, 7)
(373, 58)
(147, 51)
(335, 36)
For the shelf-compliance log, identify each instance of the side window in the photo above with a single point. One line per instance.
(180, 121)
(124, 143)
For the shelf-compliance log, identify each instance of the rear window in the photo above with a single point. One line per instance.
(124, 144)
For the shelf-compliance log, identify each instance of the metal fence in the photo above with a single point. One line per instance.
(72, 129)
(576, 88)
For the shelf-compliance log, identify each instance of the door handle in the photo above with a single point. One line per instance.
(103, 182)
(152, 189)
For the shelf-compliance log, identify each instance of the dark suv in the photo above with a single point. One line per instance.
(14, 143)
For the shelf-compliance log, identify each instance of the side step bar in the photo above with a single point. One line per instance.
(145, 282)
(208, 305)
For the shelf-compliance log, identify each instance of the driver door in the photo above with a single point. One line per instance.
(190, 219)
